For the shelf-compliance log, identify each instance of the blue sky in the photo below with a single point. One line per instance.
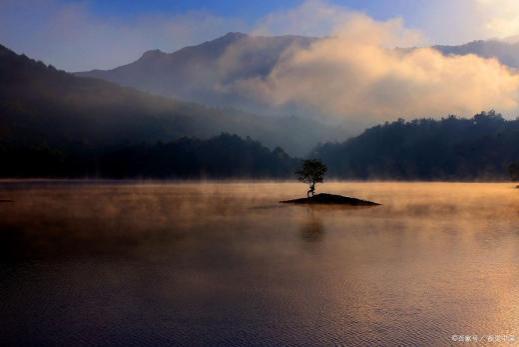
(85, 34)
(249, 11)
(252, 10)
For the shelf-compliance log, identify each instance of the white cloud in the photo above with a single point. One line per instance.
(320, 18)
(460, 21)
(353, 75)
(501, 17)
(312, 18)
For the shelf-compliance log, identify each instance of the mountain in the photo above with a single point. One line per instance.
(506, 52)
(54, 124)
(483, 147)
(208, 72)
(39, 104)
(202, 73)
(219, 73)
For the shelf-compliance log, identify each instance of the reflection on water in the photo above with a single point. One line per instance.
(312, 228)
(205, 264)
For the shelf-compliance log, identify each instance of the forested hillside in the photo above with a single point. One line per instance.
(53, 124)
(452, 148)
(224, 156)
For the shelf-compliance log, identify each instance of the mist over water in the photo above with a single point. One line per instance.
(223, 263)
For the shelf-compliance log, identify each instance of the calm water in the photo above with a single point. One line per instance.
(224, 264)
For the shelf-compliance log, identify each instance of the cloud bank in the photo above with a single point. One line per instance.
(500, 18)
(355, 74)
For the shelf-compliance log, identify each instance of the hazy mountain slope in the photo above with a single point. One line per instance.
(40, 104)
(506, 52)
(200, 73)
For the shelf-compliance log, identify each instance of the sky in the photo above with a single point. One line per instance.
(77, 35)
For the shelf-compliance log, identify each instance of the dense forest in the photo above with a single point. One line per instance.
(224, 156)
(483, 147)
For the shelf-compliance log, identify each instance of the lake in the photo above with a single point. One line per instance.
(159, 263)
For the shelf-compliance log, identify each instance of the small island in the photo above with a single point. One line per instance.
(331, 199)
(312, 172)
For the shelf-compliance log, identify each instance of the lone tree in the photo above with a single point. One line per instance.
(311, 172)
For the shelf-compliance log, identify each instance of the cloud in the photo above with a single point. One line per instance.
(500, 17)
(72, 37)
(320, 18)
(311, 18)
(440, 21)
(354, 75)
(460, 21)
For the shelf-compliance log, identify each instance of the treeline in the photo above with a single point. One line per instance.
(224, 156)
(483, 147)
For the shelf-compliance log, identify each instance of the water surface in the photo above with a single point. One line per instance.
(103, 263)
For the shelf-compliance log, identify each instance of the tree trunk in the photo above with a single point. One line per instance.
(311, 192)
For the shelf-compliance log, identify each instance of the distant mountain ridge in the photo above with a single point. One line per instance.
(206, 73)
(199, 72)
(506, 52)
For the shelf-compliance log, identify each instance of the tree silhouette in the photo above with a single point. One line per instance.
(311, 172)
